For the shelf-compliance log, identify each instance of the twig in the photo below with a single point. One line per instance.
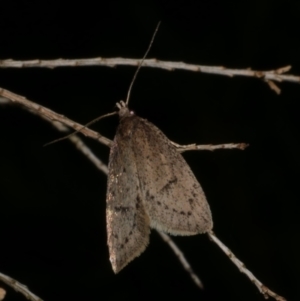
(180, 256)
(273, 87)
(210, 147)
(51, 116)
(81, 146)
(62, 128)
(82, 128)
(262, 288)
(21, 288)
(273, 75)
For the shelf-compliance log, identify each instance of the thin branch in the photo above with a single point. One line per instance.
(80, 130)
(209, 147)
(180, 256)
(273, 87)
(262, 288)
(51, 116)
(273, 75)
(62, 128)
(81, 146)
(21, 288)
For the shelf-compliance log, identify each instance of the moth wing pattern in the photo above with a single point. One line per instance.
(128, 225)
(174, 199)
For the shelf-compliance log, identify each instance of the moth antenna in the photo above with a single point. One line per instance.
(124, 105)
(140, 64)
(77, 131)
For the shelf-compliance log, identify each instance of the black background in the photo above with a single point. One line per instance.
(52, 214)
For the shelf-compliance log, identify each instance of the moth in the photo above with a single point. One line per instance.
(150, 185)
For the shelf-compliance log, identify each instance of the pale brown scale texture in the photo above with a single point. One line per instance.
(128, 226)
(149, 184)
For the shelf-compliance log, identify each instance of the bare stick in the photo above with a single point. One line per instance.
(51, 116)
(273, 87)
(180, 256)
(21, 288)
(80, 130)
(273, 75)
(209, 147)
(81, 146)
(262, 288)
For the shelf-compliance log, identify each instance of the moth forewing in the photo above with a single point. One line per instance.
(128, 225)
(174, 200)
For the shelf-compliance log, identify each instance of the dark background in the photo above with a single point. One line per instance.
(52, 214)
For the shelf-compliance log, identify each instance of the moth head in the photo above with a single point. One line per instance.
(123, 110)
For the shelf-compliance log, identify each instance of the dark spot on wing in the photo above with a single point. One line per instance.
(167, 186)
(138, 202)
(121, 208)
